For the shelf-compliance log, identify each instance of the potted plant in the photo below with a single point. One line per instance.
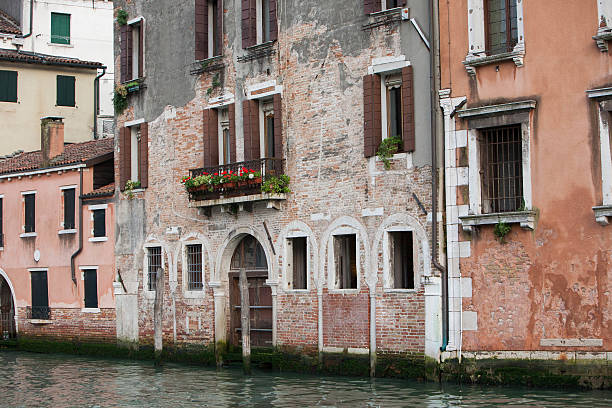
(276, 185)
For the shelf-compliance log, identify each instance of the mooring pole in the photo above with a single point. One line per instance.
(245, 322)
(158, 309)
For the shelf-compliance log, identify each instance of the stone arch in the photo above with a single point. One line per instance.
(345, 221)
(410, 223)
(302, 227)
(13, 296)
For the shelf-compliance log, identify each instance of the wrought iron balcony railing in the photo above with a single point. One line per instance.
(260, 168)
(38, 312)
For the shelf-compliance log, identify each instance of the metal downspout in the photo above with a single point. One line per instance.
(31, 20)
(435, 106)
(80, 248)
(97, 101)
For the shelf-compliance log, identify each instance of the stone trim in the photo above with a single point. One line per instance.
(525, 218)
(603, 214)
(474, 62)
(501, 109)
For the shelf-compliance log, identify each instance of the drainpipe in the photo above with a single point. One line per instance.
(31, 19)
(97, 101)
(80, 248)
(435, 81)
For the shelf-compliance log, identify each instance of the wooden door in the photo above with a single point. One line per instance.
(250, 255)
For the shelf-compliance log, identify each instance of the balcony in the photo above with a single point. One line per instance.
(236, 186)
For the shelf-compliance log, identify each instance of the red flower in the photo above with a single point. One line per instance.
(216, 174)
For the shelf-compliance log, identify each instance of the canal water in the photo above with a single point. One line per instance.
(40, 380)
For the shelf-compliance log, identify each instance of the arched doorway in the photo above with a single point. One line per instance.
(250, 256)
(7, 311)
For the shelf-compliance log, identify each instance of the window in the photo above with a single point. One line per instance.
(208, 28)
(194, 267)
(267, 129)
(132, 50)
(99, 223)
(225, 143)
(603, 98)
(390, 4)
(263, 21)
(134, 143)
(214, 28)
(502, 169)
(501, 25)
(30, 212)
(154, 258)
(90, 278)
(8, 86)
(401, 256)
(297, 263)
(40, 295)
(345, 256)
(134, 154)
(393, 106)
(135, 57)
(259, 24)
(69, 207)
(60, 28)
(65, 90)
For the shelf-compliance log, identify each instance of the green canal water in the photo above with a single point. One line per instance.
(42, 380)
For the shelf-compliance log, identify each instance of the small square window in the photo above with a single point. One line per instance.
(65, 90)
(194, 267)
(99, 222)
(402, 259)
(345, 256)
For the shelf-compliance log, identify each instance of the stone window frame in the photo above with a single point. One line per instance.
(491, 116)
(331, 263)
(477, 41)
(603, 98)
(604, 24)
(150, 294)
(91, 209)
(288, 273)
(419, 255)
(192, 294)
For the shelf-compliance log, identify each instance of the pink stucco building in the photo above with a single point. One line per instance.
(57, 233)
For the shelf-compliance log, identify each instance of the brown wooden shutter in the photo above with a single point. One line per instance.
(201, 29)
(219, 33)
(125, 156)
(143, 156)
(278, 126)
(371, 6)
(250, 117)
(211, 138)
(124, 52)
(141, 49)
(231, 110)
(129, 54)
(249, 23)
(273, 21)
(372, 131)
(408, 132)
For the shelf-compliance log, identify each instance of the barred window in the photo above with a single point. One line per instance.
(155, 262)
(194, 267)
(502, 169)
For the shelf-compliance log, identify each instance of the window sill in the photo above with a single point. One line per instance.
(297, 291)
(98, 239)
(603, 214)
(28, 235)
(194, 294)
(473, 61)
(52, 44)
(344, 291)
(258, 51)
(40, 321)
(207, 65)
(90, 310)
(67, 231)
(400, 291)
(525, 218)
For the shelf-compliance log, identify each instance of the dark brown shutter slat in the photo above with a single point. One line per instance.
(408, 131)
(124, 52)
(278, 126)
(124, 157)
(250, 115)
(201, 29)
(372, 131)
(273, 21)
(143, 156)
(219, 33)
(211, 138)
(371, 6)
(232, 129)
(249, 23)
(246, 126)
(141, 50)
(129, 54)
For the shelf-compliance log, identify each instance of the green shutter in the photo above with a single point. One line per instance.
(60, 28)
(8, 86)
(65, 90)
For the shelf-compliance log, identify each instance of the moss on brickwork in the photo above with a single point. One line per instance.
(402, 366)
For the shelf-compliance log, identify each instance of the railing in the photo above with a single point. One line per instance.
(7, 325)
(267, 167)
(38, 312)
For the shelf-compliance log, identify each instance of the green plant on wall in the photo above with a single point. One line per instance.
(276, 185)
(216, 83)
(387, 148)
(120, 101)
(122, 17)
(501, 230)
(130, 186)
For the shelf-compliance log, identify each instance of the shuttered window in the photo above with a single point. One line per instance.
(372, 131)
(40, 295)
(90, 278)
(99, 221)
(69, 196)
(65, 90)
(60, 28)
(259, 22)
(30, 212)
(8, 86)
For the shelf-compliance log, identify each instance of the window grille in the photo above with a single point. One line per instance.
(155, 263)
(501, 169)
(108, 127)
(194, 267)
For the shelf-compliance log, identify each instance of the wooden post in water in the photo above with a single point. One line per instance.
(245, 322)
(158, 311)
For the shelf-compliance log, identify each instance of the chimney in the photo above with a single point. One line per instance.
(51, 138)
